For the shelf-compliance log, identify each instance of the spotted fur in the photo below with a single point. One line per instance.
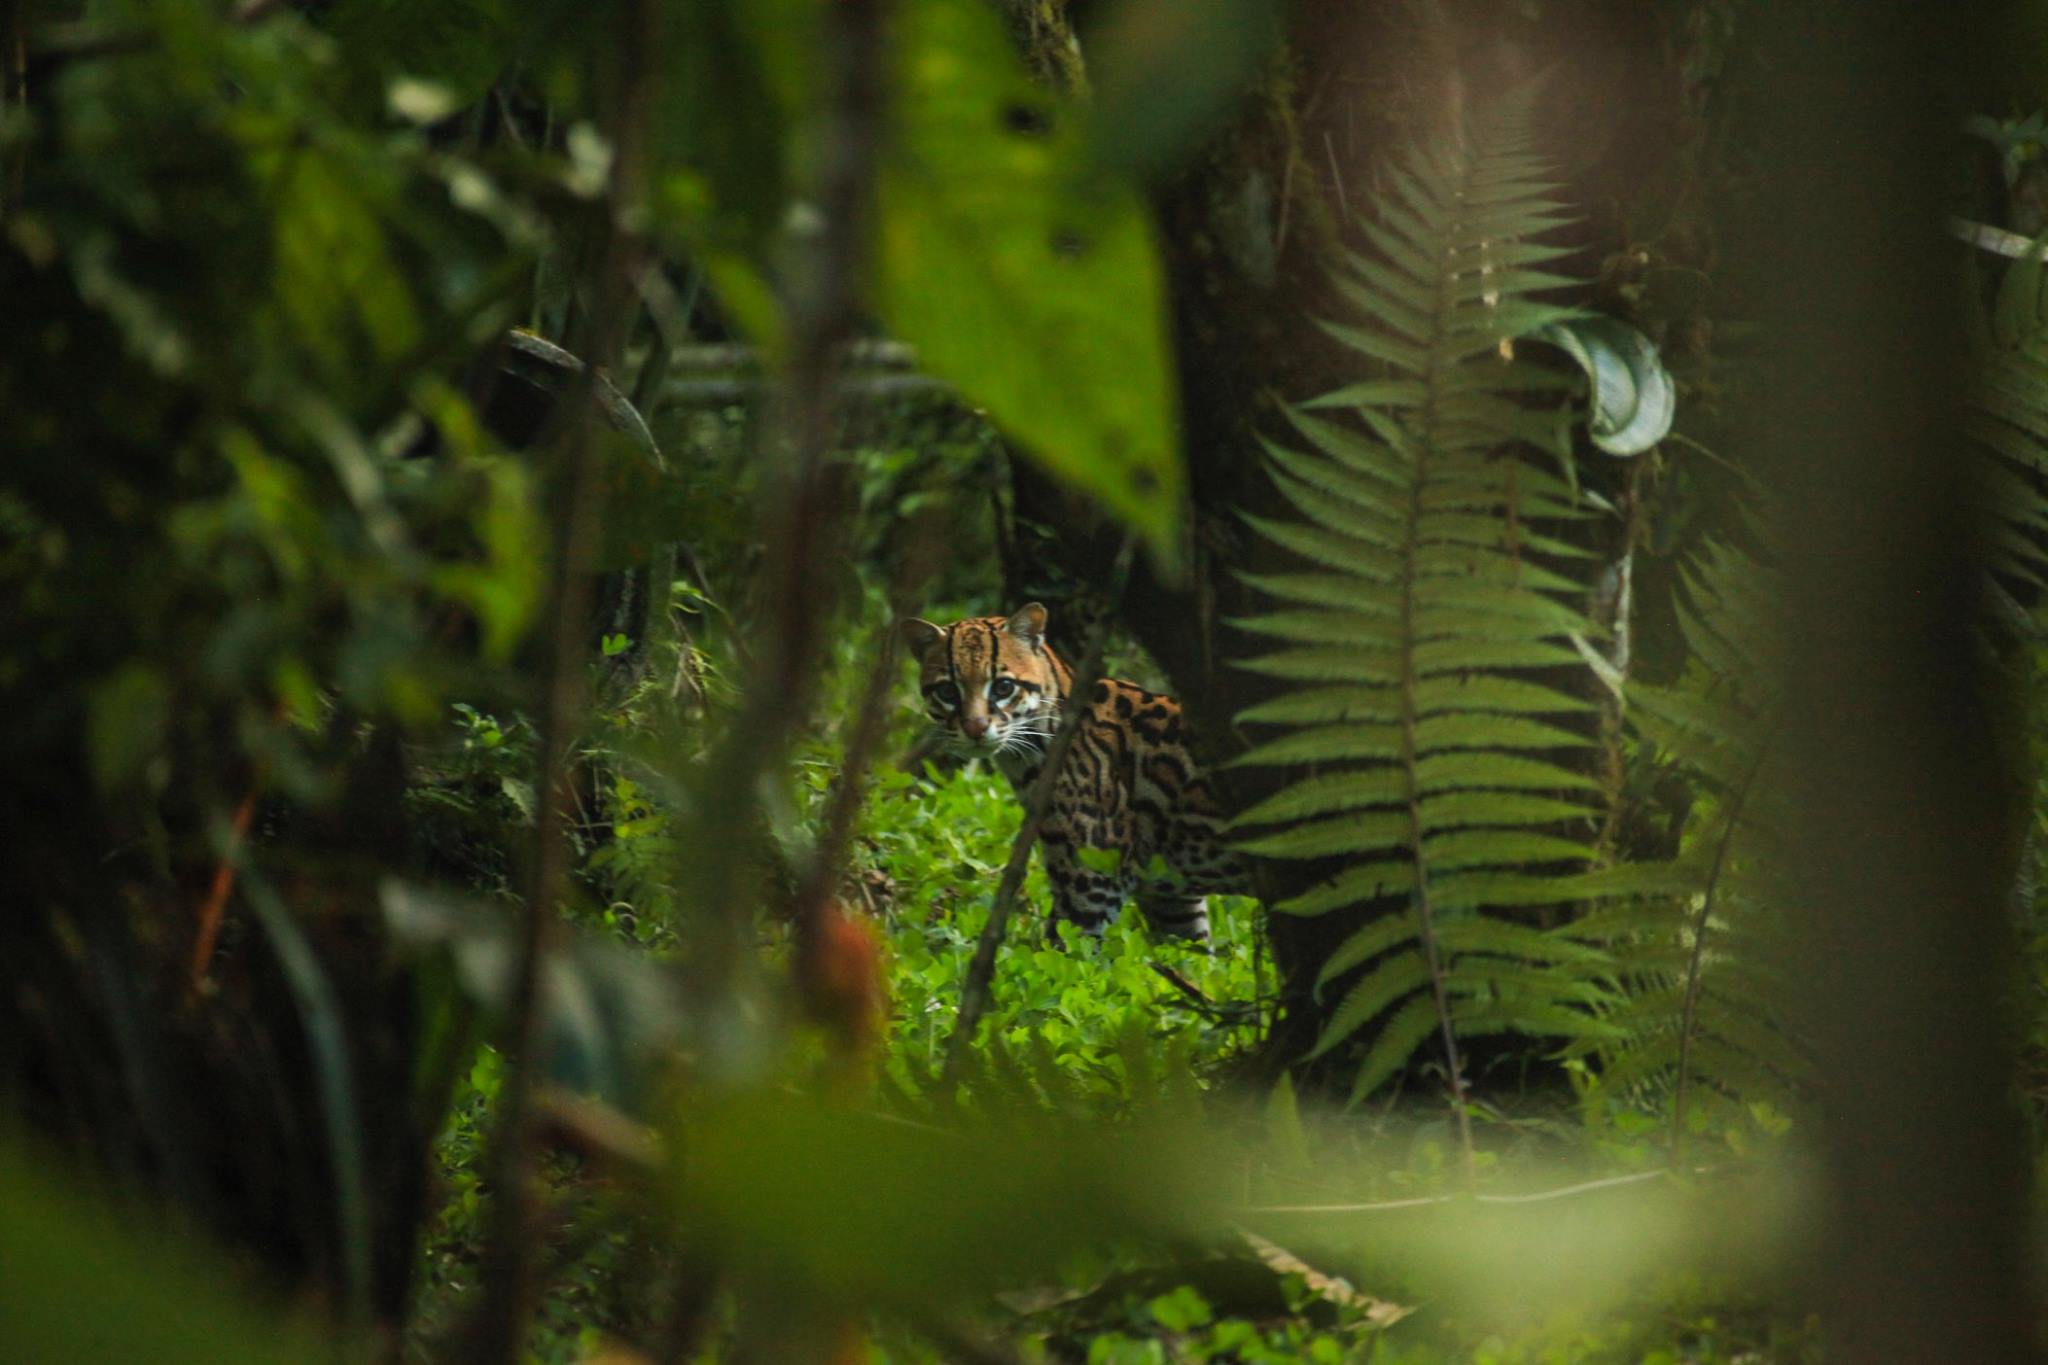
(1131, 816)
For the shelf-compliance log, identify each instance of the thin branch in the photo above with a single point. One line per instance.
(507, 1270)
(812, 908)
(874, 388)
(805, 501)
(1432, 1200)
(1688, 1016)
(214, 908)
(1992, 239)
(873, 353)
(1425, 916)
(1224, 1011)
(976, 992)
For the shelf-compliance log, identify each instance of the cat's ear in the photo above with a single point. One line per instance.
(919, 636)
(1028, 623)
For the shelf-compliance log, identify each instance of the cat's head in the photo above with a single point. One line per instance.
(989, 682)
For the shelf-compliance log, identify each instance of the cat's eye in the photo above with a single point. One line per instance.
(945, 694)
(1001, 689)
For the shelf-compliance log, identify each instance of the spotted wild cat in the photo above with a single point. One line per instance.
(1129, 787)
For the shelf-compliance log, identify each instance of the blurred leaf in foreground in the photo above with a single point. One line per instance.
(871, 1209)
(1024, 277)
(78, 1283)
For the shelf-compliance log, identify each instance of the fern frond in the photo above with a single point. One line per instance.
(1699, 1018)
(2007, 420)
(1419, 618)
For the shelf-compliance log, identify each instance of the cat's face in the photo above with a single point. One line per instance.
(989, 682)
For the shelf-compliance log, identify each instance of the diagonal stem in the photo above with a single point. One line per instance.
(1688, 1017)
(976, 993)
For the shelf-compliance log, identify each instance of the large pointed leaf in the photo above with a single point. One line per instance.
(1023, 273)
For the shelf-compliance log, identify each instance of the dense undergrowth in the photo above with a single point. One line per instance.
(293, 543)
(1095, 1031)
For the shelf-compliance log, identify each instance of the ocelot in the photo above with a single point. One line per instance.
(1131, 815)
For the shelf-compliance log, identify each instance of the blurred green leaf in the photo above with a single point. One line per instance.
(83, 1282)
(870, 1209)
(335, 275)
(128, 716)
(462, 45)
(1023, 275)
(607, 1014)
(1165, 71)
(722, 118)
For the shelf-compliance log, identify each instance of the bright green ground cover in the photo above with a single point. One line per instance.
(1094, 1029)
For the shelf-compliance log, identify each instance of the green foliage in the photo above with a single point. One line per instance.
(1425, 606)
(1079, 1025)
(1005, 252)
(1013, 268)
(240, 309)
(83, 1285)
(1698, 940)
(2005, 417)
(257, 549)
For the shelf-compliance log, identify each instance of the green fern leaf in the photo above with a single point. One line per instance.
(1420, 520)
(1394, 977)
(1396, 1044)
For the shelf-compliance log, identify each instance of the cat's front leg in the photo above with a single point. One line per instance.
(1081, 896)
(1176, 916)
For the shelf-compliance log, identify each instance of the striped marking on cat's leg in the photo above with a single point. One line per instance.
(1089, 900)
(1176, 916)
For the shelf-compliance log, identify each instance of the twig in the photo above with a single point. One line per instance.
(1232, 1011)
(1286, 203)
(742, 388)
(1425, 916)
(1688, 1015)
(805, 505)
(975, 993)
(870, 352)
(1432, 1200)
(1336, 175)
(507, 1269)
(214, 906)
(812, 908)
(1992, 239)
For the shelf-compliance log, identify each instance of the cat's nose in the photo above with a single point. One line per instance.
(975, 726)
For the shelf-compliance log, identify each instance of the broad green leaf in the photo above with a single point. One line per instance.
(333, 271)
(1024, 276)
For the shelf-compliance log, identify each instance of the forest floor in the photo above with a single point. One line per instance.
(1618, 1271)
